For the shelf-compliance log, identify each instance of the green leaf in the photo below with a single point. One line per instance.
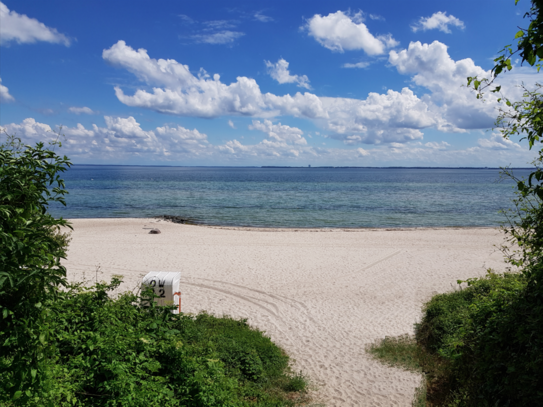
(519, 34)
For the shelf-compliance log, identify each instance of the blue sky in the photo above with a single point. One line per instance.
(338, 83)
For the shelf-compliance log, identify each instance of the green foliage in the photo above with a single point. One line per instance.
(113, 352)
(491, 336)
(478, 346)
(30, 268)
(67, 345)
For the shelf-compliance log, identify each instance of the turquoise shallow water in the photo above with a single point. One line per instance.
(291, 197)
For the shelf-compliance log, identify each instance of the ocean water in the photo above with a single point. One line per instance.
(291, 197)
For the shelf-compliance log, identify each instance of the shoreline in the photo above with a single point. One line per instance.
(287, 228)
(322, 297)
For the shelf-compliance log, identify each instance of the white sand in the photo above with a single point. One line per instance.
(321, 295)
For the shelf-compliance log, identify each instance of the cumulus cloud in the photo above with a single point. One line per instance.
(177, 91)
(279, 132)
(123, 140)
(433, 69)
(380, 118)
(391, 117)
(4, 93)
(126, 128)
(231, 124)
(438, 21)
(356, 65)
(339, 32)
(81, 110)
(279, 71)
(21, 29)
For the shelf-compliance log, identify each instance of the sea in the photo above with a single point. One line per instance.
(283, 197)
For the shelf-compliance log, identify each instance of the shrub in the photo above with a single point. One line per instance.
(114, 352)
(67, 345)
(30, 268)
(491, 334)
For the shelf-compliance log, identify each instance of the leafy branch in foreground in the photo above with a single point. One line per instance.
(30, 269)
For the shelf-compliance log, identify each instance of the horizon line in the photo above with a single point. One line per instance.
(306, 167)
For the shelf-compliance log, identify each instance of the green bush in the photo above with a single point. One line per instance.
(30, 269)
(491, 333)
(67, 345)
(114, 352)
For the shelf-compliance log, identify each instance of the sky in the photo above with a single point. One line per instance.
(251, 83)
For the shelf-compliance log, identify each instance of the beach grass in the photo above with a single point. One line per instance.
(405, 353)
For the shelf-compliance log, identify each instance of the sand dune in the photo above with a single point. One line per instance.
(320, 294)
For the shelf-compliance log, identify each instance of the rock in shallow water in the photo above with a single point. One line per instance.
(154, 231)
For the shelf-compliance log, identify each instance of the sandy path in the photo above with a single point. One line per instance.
(321, 295)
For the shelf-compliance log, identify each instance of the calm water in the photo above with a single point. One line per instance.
(291, 197)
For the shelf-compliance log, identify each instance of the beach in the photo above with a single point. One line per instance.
(320, 294)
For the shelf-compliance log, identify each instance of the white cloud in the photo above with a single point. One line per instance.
(19, 28)
(262, 18)
(127, 128)
(4, 93)
(497, 142)
(279, 132)
(356, 65)
(279, 71)
(231, 124)
(221, 37)
(123, 140)
(81, 110)
(186, 95)
(339, 32)
(440, 21)
(394, 116)
(380, 118)
(454, 104)
(391, 117)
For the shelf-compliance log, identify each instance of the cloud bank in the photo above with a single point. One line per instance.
(123, 140)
